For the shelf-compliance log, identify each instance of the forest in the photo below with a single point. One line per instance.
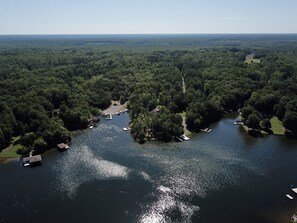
(50, 86)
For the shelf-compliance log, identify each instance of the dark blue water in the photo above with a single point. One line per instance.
(223, 176)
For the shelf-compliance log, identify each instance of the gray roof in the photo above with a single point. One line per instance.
(32, 159)
(61, 146)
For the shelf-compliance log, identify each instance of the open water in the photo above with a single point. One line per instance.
(222, 176)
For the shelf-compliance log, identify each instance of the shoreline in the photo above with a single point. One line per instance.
(112, 109)
(4, 160)
(245, 128)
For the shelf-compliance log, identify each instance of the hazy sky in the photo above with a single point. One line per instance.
(147, 16)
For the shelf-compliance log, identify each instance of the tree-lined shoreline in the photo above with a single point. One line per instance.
(49, 90)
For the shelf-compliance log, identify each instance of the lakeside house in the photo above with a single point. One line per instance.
(32, 160)
(62, 147)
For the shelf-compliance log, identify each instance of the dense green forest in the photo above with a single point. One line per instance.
(52, 86)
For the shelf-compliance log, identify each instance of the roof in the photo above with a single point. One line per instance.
(62, 146)
(32, 159)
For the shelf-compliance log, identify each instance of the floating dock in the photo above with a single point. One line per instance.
(108, 116)
(289, 196)
(178, 139)
(206, 130)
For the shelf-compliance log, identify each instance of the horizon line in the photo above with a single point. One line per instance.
(56, 34)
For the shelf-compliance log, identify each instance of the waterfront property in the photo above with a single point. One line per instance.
(32, 160)
(107, 170)
(62, 147)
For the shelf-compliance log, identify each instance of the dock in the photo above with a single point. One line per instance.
(178, 139)
(108, 116)
(206, 130)
(32, 160)
(184, 137)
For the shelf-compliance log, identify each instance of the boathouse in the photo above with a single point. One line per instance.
(62, 147)
(32, 160)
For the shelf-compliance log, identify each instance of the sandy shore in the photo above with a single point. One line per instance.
(115, 108)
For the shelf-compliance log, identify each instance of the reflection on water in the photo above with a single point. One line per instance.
(81, 165)
(107, 176)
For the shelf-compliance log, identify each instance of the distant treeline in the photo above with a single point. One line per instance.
(48, 91)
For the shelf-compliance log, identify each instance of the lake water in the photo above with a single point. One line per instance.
(222, 176)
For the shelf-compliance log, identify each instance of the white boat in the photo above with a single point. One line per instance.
(91, 127)
(295, 190)
(126, 129)
(184, 137)
(289, 196)
(26, 164)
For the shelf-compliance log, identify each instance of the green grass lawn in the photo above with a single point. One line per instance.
(250, 61)
(277, 126)
(10, 151)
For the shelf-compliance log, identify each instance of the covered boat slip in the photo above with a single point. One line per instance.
(32, 160)
(62, 147)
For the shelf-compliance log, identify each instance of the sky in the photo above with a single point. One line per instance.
(147, 16)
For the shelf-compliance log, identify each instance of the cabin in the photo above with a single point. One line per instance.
(32, 160)
(62, 147)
